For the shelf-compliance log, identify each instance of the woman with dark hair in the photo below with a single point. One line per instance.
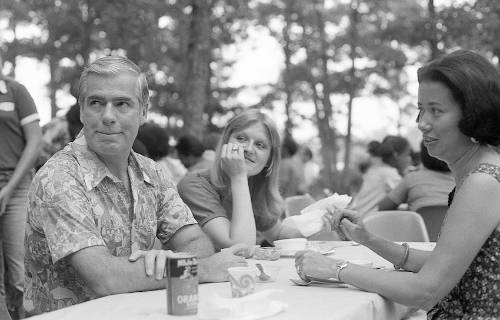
(459, 104)
(428, 186)
(387, 162)
(239, 195)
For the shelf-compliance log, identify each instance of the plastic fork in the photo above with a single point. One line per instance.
(311, 280)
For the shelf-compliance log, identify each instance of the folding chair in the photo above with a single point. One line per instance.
(433, 218)
(397, 225)
(294, 204)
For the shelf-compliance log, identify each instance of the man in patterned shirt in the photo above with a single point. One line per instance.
(96, 206)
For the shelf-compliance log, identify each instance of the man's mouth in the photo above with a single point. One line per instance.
(107, 133)
(428, 139)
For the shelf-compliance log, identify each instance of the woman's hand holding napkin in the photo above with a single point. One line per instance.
(310, 220)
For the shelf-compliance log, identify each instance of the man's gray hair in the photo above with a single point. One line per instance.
(112, 66)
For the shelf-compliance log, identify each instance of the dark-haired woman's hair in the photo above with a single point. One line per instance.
(475, 85)
(388, 149)
(155, 139)
(430, 162)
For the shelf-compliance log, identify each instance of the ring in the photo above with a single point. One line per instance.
(235, 149)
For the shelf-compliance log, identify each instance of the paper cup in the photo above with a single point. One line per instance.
(242, 280)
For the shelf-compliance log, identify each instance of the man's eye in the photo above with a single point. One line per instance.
(122, 104)
(94, 102)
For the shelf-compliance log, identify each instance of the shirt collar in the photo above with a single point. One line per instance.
(94, 170)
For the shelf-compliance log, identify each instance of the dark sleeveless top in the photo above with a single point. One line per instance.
(477, 295)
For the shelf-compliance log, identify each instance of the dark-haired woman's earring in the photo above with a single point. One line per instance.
(473, 140)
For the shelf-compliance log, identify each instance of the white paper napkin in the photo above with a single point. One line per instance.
(309, 221)
(252, 307)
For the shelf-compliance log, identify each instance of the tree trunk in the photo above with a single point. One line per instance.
(52, 86)
(432, 30)
(288, 53)
(331, 137)
(322, 120)
(14, 45)
(197, 68)
(352, 84)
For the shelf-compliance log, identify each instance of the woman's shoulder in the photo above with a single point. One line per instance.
(199, 176)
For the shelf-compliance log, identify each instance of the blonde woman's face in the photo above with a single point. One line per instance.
(257, 147)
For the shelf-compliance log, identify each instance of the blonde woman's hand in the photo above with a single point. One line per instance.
(233, 160)
(349, 225)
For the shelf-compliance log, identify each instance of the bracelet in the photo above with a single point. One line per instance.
(401, 264)
(341, 267)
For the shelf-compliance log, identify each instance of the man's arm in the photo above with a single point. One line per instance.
(106, 274)
(192, 239)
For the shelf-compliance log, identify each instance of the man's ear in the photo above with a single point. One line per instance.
(144, 114)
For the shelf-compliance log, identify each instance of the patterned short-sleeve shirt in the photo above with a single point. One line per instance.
(75, 202)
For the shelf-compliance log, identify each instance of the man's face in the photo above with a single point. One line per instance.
(111, 114)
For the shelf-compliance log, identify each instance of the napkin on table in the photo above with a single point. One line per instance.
(309, 221)
(252, 307)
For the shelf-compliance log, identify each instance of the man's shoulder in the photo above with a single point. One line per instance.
(150, 168)
(57, 167)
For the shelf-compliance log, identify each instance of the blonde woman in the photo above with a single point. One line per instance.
(239, 195)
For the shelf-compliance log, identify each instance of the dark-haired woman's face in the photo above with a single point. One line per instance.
(438, 120)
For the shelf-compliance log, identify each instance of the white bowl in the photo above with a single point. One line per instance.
(290, 246)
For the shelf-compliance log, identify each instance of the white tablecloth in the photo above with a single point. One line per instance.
(303, 302)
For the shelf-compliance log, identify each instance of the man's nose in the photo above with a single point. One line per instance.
(108, 115)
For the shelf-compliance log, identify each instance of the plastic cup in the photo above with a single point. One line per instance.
(242, 280)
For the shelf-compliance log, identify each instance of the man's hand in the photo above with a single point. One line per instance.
(5, 194)
(154, 261)
(214, 268)
(241, 249)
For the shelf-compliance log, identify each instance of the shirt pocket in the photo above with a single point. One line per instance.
(7, 106)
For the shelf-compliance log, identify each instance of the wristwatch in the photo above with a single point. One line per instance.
(341, 267)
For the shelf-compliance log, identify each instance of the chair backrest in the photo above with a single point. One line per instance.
(397, 225)
(433, 218)
(294, 204)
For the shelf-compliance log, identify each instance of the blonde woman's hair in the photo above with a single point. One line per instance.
(264, 193)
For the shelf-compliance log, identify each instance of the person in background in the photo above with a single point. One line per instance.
(239, 195)
(311, 168)
(210, 142)
(96, 206)
(190, 151)
(459, 117)
(428, 186)
(20, 141)
(388, 161)
(156, 141)
(291, 169)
